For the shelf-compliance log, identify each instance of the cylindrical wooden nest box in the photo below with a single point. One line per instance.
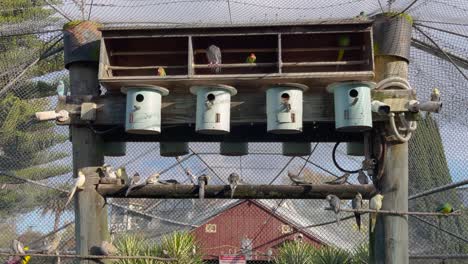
(81, 41)
(352, 105)
(284, 108)
(143, 114)
(296, 148)
(213, 108)
(234, 148)
(114, 149)
(173, 149)
(355, 148)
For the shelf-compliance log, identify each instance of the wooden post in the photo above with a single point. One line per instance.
(389, 243)
(81, 61)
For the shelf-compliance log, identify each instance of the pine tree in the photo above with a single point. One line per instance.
(25, 145)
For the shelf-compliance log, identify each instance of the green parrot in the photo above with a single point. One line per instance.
(343, 41)
(251, 58)
(444, 208)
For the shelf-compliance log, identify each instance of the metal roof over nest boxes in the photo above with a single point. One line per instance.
(300, 53)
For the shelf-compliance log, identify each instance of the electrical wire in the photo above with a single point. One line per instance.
(336, 163)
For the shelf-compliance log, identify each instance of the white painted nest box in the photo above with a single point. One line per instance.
(143, 114)
(353, 111)
(284, 108)
(173, 149)
(234, 148)
(213, 108)
(296, 149)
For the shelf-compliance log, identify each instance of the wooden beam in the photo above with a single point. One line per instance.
(179, 191)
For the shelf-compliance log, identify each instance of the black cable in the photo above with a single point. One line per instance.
(336, 163)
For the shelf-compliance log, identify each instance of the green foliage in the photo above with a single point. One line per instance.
(293, 252)
(134, 245)
(181, 246)
(331, 255)
(361, 254)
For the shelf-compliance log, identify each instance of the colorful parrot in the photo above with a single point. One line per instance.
(161, 72)
(213, 54)
(251, 58)
(444, 208)
(26, 258)
(343, 41)
(375, 204)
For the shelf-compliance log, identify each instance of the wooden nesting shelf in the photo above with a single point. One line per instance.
(306, 54)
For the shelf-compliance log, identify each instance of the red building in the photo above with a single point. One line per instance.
(249, 228)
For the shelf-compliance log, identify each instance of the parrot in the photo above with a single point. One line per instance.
(375, 204)
(251, 58)
(25, 259)
(109, 172)
(234, 180)
(362, 177)
(153, 179)
(435, 95)
(161, 72)
(122, 174)
(296, 179)
(134, 182)
(445, 208)
(61, 89)
(187, 171)
(343, 41)
(79, 184)
(340, 180)
(107, 249)
(357, 205)
(335, 204)
(213, 54)
(202, 182)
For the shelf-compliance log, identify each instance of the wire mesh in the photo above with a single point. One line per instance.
(31, 67)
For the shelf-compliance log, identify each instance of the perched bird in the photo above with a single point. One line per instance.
(161, 72)
(251, 58)
(234, 180)
(136, 108)
(153, 179)
(435, 95)
(335, 205)
(122, 174)
(134, 182)
(296, 179)
(53, 245)
(109, 172)
(375, 204)
(189, 174)
(362, 177)
(213, 54)
(27, 258)
(362, 16)
(343, 41)
(445, 208)
(79, 185)
(340, 180)
(107, 249)
(269, 253)
(17, 247)
(61, 88)
(202, 182)
(357, 205)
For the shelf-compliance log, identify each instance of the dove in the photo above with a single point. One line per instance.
(161, 72)
(122, 174)
(234, 180)
(251, 58)
(153, 179)
(213, 54)
(134, 182)
(53, 245)
(357, 205)
(435, 95)
(61, 89)
(375, 204)
(296, 180)
(335, 204)
(79, 185)
(202, 182)
(340, 180)
(362, 177)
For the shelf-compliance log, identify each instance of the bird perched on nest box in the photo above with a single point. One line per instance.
(213, 54)
(161, 72)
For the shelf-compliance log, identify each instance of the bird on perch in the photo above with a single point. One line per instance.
(161, 72)
(213, 54)
(335, 205)
(343, 41)
(134, 182)
(251, 58)
(357, 205)
(362, 177)
(375, 204)
(79, 185)
(435, 95)
(296, 179)
(121, 173)
(445, 208)
(202, 182)
(234, 180)
(340, 180)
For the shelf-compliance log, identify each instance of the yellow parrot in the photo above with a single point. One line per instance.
(26, 258)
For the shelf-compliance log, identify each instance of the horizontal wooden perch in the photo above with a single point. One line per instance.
(456, 213)
(29, 253)
(183, 191)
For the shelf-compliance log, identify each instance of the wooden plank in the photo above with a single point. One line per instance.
(115, 68)
(179, 191)
(323, 63)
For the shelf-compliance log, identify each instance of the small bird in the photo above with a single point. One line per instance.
(107, 249)
(357, 205)
(445, 208)
(53, 245)
(375, 204)
(435, 95)
(189, 174)
(202, 182)
(251, 58)
(213, 54)
(335, 204)
(362, 16)
(362, 177)
(234, 180)
(122, 174)
(285, 103)
(61, 88)
(296, 179)
(27, 258)
(161, 72)
(136, 108)
(134, 182)
(340, 180)
(343, 41)
(109, 172)
(79, 185)
(153, 179)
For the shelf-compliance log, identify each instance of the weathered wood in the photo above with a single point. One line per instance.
(179, 191)
(391, 212)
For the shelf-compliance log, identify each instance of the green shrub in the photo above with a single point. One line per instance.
(295, 253)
